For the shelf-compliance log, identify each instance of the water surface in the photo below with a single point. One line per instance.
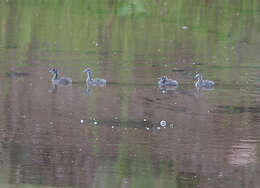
(111, 136)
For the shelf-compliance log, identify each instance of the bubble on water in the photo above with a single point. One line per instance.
(163, 123)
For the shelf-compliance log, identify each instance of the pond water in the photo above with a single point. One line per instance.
(130, 133)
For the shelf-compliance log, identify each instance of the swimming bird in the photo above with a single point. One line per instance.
(59, 81)
(164, 81)
(94, 81)
(203, 83)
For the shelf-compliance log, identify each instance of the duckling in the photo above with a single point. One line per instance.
(203, 83)
(164, 81)
(59, 81)
(94, 81)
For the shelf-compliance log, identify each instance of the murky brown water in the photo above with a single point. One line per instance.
(71, 136)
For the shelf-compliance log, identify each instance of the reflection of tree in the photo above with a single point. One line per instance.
(48, 165)
(131, 7)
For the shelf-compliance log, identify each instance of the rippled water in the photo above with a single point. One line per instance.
(113, 136)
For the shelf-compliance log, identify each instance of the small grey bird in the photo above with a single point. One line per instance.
(164, 81)
(59, 81)
(94, 81)
(203, 83)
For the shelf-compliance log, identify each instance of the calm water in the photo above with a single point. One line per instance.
(111, 136)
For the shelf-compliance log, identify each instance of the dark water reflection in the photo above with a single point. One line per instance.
(78, 136)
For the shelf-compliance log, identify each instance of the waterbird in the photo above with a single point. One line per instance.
(94, 81)
(164, 81)
(59, 81)
(203, 83)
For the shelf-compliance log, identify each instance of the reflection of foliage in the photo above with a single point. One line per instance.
(129, 33)
(4, 89)
(138, 170)
(131, 7)
(77, 26)
(28, 186)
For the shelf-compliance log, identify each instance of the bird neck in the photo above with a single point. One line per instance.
(199, 82)
(199, 78)
(55, 76)
(163, 81)
(90, 76)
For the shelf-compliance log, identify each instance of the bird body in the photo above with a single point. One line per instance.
(164, 81)
(59, 81)
(94, 81)
(203, 83)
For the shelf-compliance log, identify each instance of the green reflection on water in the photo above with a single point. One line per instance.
(122, 35)
(148, 31)
(138, 171)
(78, 26)
(27, 186)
